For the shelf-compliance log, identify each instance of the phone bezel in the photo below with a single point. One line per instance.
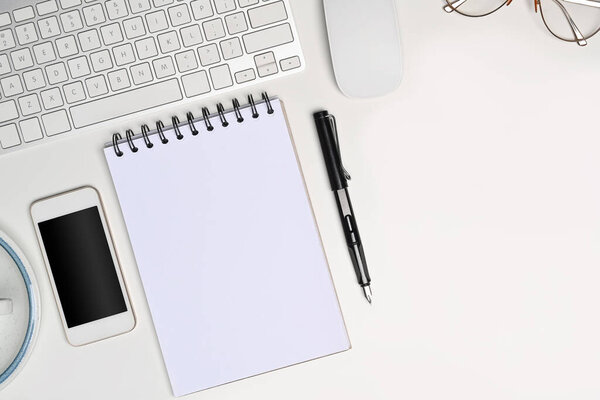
(67, 203)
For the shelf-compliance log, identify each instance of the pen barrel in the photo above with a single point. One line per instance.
(360, 264)
(352, 235)
(330, 150)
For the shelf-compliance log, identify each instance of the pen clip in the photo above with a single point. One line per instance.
(333, 123)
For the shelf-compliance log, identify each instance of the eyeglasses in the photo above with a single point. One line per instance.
(568, 20)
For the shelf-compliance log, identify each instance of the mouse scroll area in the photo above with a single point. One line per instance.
(365, 47)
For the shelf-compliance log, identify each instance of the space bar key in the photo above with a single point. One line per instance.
(126, 103)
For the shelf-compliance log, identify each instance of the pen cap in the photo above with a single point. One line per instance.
(330, 148)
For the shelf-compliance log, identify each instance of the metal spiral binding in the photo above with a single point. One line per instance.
(145, 130)
(116, 137)
(206, 117)
(253, 106)
(236, 109)
(160, 126)
(265, 97)
(129, 135)
(221, 111)
(175, 123)
(190, 119)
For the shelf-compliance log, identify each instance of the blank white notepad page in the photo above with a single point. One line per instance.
(228, 251)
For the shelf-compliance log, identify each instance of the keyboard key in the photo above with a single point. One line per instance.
(124, 54)
(4, 19)
(74, 92)
(4, 64)
(23, 14)
(168, 42)
(245, 76)
(191, 35)
(201, 9)
(116, 9)
(11, 86)
(224, 6)
(48, 27)
(231, 48)
(247, 3)
(157, 21)
(126, 103)
(31, 130)
(46, 7)
(163, 67)
(101, 61)
(290, 63)
(266, 64)
(71, 21)
(119, 79)
(99, 44)
(51, 98)
(70, 3)
(186, 61)
(195, 84)
(26, 34)
(264, 59)
(9, 136)
(209, 54)
(22, 59)
(141, 73)
(56, 73)
(96, 86)
(236, 23)
(221, 76)
(94, 15)
(111, 34)
(179, 15)
(213, 29)
(44, 53)
(138, 6)
(66, 46)
(7, 40)
(134, 27)
(34, 79)
(268, 14)
(8, 111)
(267, 38)
(79, 67)
(30, 105)
(56, 123)
(89, 40)
(146, 48)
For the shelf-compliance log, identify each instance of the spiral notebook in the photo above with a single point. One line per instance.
(226, 245)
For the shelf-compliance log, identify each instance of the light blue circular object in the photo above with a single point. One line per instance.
(30, 284)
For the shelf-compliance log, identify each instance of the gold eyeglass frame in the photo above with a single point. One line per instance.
(578, 37)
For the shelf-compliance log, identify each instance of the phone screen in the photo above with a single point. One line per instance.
(82, 266)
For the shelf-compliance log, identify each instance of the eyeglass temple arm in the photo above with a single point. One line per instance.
(457, 3)
(578, 35)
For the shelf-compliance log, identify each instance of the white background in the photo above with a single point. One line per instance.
(476, 186)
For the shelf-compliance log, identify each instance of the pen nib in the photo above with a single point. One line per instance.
(368, 293)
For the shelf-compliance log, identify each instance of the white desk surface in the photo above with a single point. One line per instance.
(477, 190)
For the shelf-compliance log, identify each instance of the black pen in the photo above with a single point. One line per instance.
(338, 177)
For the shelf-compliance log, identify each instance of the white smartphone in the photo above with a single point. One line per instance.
(82, 265)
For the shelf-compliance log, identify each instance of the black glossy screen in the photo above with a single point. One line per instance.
(82, 266)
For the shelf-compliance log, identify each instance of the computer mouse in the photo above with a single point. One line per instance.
(364, 41)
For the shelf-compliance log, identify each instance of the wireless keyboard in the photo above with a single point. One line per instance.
(66, 65)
